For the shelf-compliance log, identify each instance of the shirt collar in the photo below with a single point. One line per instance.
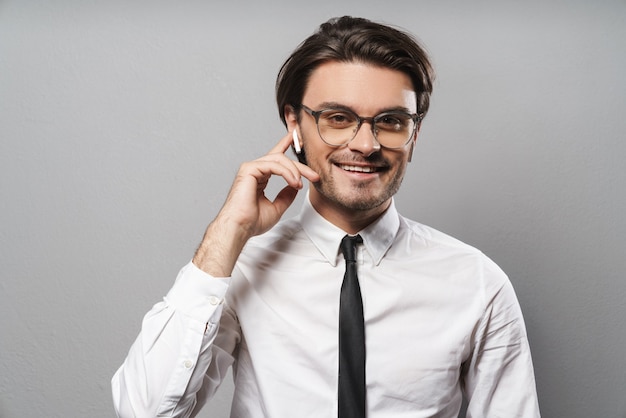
(377, 237)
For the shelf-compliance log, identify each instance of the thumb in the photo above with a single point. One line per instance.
(284, 199)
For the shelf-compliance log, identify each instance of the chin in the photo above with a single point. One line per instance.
(360, 201)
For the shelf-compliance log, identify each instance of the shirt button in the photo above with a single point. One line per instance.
(214, 300)
(187, 364)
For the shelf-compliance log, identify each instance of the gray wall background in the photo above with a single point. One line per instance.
(123, 123)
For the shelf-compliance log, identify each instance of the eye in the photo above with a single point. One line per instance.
(393, 122)
(337, 119)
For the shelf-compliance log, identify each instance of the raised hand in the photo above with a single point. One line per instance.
(247, 211)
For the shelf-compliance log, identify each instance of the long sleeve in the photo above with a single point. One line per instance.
(175, 364)
(499, 378)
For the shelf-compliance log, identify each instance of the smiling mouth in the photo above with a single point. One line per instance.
(359, 169)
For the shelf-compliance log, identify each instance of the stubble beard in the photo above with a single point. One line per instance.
(359, 198)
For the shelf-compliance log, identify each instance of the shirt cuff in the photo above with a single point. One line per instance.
(198, 294)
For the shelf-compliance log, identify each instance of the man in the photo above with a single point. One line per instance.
(429, 318)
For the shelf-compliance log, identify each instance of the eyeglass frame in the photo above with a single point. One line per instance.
(416, 117)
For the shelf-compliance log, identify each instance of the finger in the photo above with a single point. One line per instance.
(274, 165)
(298, 168)
(295, 167)
(307, 172)
(283, 145)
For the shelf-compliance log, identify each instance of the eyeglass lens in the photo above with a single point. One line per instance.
(391, 129)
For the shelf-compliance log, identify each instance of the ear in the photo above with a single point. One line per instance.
(291, 120)
(291, 117)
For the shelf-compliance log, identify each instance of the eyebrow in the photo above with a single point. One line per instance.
(337, 105)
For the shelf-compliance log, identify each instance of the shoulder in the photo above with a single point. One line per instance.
(433, 238)
(456, 255)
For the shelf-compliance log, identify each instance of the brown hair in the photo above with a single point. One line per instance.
(350, 39)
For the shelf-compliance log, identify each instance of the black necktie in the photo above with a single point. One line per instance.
(351, 337)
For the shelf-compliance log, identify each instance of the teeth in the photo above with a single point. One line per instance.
(359, 169)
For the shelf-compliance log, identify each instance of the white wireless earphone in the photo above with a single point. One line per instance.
(296, 141)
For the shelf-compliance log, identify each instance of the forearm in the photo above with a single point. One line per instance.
(220, 247)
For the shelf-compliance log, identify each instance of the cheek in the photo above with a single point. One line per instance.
(313, 154)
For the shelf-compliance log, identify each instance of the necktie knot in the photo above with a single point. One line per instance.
(348, 246)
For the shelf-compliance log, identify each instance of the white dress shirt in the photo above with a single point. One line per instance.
(441, 319)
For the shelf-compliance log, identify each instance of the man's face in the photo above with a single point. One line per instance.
(360, 176)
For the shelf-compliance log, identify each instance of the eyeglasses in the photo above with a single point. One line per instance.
(338, 126)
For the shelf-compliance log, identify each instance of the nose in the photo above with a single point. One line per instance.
(364, 141)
